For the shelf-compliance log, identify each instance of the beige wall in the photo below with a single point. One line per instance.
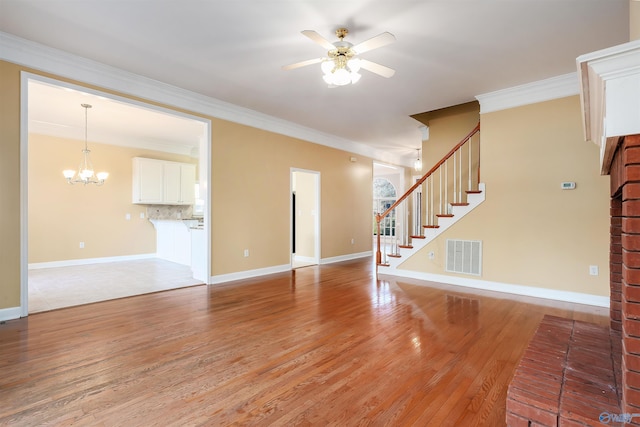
(249, 194)
(634, 20)
(534, 233)
(447, 127)
(62, 215)
(10, 190)
(251, 173)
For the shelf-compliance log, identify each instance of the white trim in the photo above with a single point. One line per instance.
(347, 257)
(24, 194)
(248, 274)
(305, 259)
(530, 93)
(10, 313)
(86, 261)
(34, 55)
(530, 291)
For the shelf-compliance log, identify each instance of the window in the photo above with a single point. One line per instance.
(384, 196)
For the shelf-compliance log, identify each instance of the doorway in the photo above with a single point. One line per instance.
(305, 218)
(50, 131)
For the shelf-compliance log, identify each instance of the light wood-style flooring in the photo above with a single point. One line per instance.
(53, 288)
(326, 345)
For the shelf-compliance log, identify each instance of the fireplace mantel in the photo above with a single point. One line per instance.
(610, 96)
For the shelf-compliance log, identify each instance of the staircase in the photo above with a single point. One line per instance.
(444, 195)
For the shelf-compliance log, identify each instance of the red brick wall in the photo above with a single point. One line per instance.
(625, 266)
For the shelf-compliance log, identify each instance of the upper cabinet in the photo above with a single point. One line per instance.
(163, 182)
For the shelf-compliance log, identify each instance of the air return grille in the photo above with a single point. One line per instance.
(464, 256)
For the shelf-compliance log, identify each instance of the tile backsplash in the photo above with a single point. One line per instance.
(169, 212)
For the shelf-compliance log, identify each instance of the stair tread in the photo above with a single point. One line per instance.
(474, 191)
(431, 226)
(459, 204)
(394, 255)
(405, 246)
(444, 215)
(418, 237)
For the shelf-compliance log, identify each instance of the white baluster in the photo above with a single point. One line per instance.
(469, 142)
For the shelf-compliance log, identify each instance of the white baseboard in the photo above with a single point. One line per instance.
(85, 261)
(222, 278)
(530, 291)
(10, 313)
(348, 257)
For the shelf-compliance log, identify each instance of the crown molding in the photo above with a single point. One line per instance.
(46, 59)
(530, 93)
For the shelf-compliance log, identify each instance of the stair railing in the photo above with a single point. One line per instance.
(447, 176)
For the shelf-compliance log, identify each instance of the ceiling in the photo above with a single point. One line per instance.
(446, 52)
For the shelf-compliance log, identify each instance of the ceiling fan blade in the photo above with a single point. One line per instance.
(302, 64)
(319, 39)
(374, 42)
(376, 68)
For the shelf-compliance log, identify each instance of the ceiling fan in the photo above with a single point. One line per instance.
(341, 65)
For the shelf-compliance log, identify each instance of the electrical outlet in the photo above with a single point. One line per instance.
(353, 241)
(81, 245)
(246, 253)
(593, 270)
(141, 215)
(432, 255)
(127, 216)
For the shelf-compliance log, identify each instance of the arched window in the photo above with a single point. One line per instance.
(384, 195)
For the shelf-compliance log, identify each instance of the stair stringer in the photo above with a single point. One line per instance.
(459, 212)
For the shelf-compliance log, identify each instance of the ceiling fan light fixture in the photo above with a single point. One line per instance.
(327, 67)
(353, 65)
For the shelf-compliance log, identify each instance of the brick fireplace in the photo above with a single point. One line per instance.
(605, 366)
(625, 268)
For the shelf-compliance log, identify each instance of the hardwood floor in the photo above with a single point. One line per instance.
(322, 345)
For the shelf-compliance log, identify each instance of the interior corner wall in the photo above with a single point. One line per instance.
(533, 232)
(62, 215)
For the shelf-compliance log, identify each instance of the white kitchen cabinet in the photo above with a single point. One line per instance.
(163, 182)
(148, 181)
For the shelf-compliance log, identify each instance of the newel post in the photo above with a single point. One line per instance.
(378, 253)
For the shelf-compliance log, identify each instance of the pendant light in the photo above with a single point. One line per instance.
(417, 164)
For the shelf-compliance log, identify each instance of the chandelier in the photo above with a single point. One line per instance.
(85, 174)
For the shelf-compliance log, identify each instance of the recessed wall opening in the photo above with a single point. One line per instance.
(85, 228)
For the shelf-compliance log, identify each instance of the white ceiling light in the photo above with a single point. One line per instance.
(85, 174)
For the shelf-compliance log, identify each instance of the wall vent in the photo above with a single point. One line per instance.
(464, 256)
